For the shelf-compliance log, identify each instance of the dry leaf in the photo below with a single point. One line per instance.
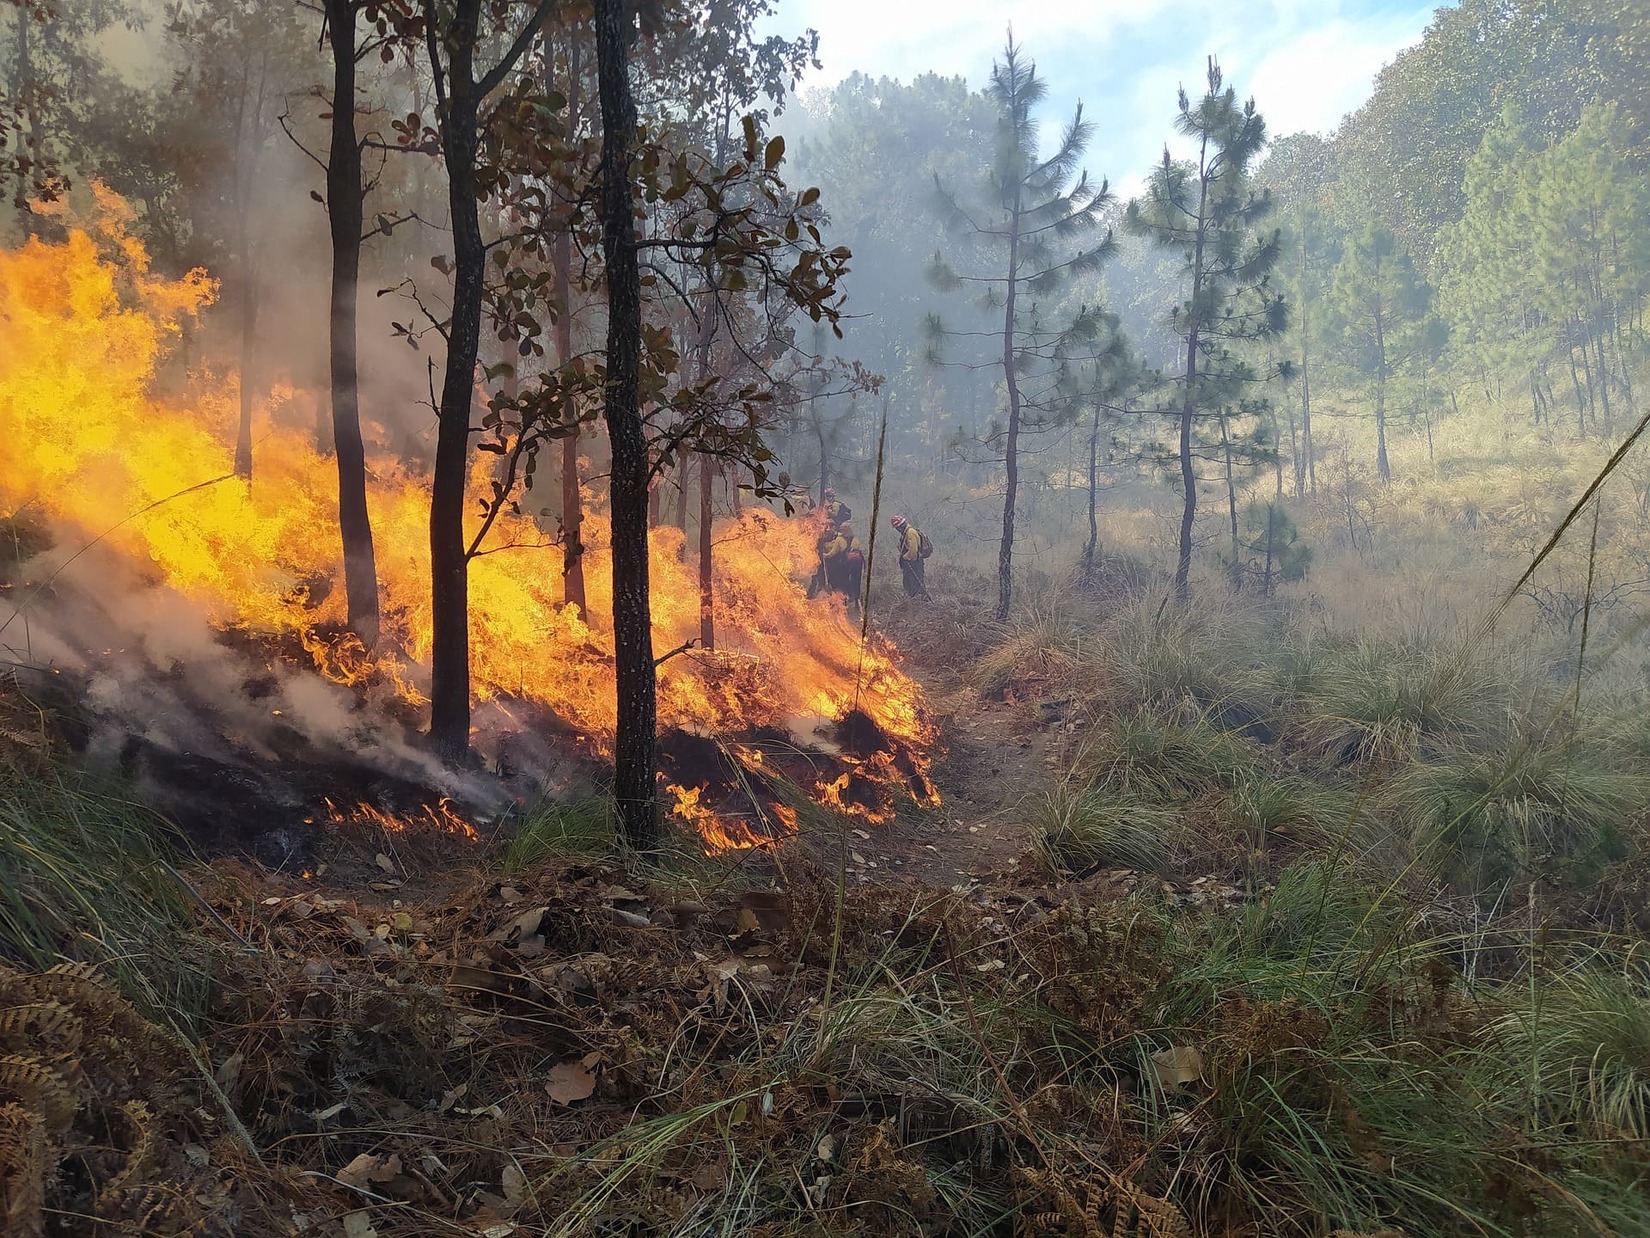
(369, 1169)
(1177, 1067)
(358, 1225)
(571, 1082)
(384, 862)
(451, 1097)
(515, 1189)
(522, 927)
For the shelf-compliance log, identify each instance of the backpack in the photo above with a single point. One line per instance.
(924, 546)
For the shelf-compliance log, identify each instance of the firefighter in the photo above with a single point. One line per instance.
(835, 509)
(853, 564)
(912, 560)
(833, 559)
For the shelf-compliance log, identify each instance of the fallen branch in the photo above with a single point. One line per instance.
(663, 658)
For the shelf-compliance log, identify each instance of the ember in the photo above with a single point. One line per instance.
(84, 326)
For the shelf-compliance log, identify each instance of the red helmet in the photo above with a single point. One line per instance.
(898, 522)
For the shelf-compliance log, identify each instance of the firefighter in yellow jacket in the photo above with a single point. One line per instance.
(914, 550)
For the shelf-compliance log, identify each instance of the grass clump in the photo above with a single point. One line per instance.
(1477, 820)
(1046, 639)
(1385, 701)
(1156, 757)
(1204, 659)
(1082, 827)
(86, 875)
(559, 828)
(1264, 809)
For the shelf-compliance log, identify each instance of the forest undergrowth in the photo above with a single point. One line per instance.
(1425, 1011)
(1418, 1005)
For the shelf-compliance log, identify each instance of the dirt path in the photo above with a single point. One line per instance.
(997, 760)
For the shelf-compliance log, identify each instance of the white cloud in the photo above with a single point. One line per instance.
(1316, 78)
(1306, 62)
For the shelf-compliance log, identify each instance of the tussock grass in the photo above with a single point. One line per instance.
(1045, 638)
(1205, 658)
(1265, 808)
(1156, 757)
(1575, 1048)
(86, 875)
(1386, 700)
(1477, 820)
(1080, 827)
(558, 828)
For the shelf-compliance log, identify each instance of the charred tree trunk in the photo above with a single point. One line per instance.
(634, 777)
(459, 104)
(684, 467)
(344, 214)
(248, 142)
(707, 586)
(249, 329)
(572, 501)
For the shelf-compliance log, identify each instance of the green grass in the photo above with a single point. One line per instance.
(551, 829)
(1387, 700)
(1477, 820)
(1157, 757)
(87, 875)
(1080, 827)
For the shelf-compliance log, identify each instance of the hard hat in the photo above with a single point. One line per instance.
(898, 522)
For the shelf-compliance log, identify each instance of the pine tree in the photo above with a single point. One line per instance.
(1206, 210)
(1026, 226)
(1381, 309)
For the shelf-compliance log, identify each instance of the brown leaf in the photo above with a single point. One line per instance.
(370, 1169)
(1177, 1067)
(571, 1082)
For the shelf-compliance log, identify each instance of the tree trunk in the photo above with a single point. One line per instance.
(634, 777)
(249, 329)
(572, 501)
(1188, 407)
(1011, 450)
(449, 564)
(1093, 543)
(1231, 487)
(344, 213)
(248, 142)
(1603, 382)
(707, 586)
(1306, 465)
(1381, 463)
(684, 463)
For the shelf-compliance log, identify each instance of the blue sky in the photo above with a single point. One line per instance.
(1306, 62)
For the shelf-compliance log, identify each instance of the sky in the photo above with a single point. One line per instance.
(1305, 62)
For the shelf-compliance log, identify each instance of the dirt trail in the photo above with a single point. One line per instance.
(998, 758)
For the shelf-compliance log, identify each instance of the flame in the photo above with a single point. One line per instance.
(84, 328)
(441, 817)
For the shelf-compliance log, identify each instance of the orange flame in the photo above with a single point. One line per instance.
(84, 325)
